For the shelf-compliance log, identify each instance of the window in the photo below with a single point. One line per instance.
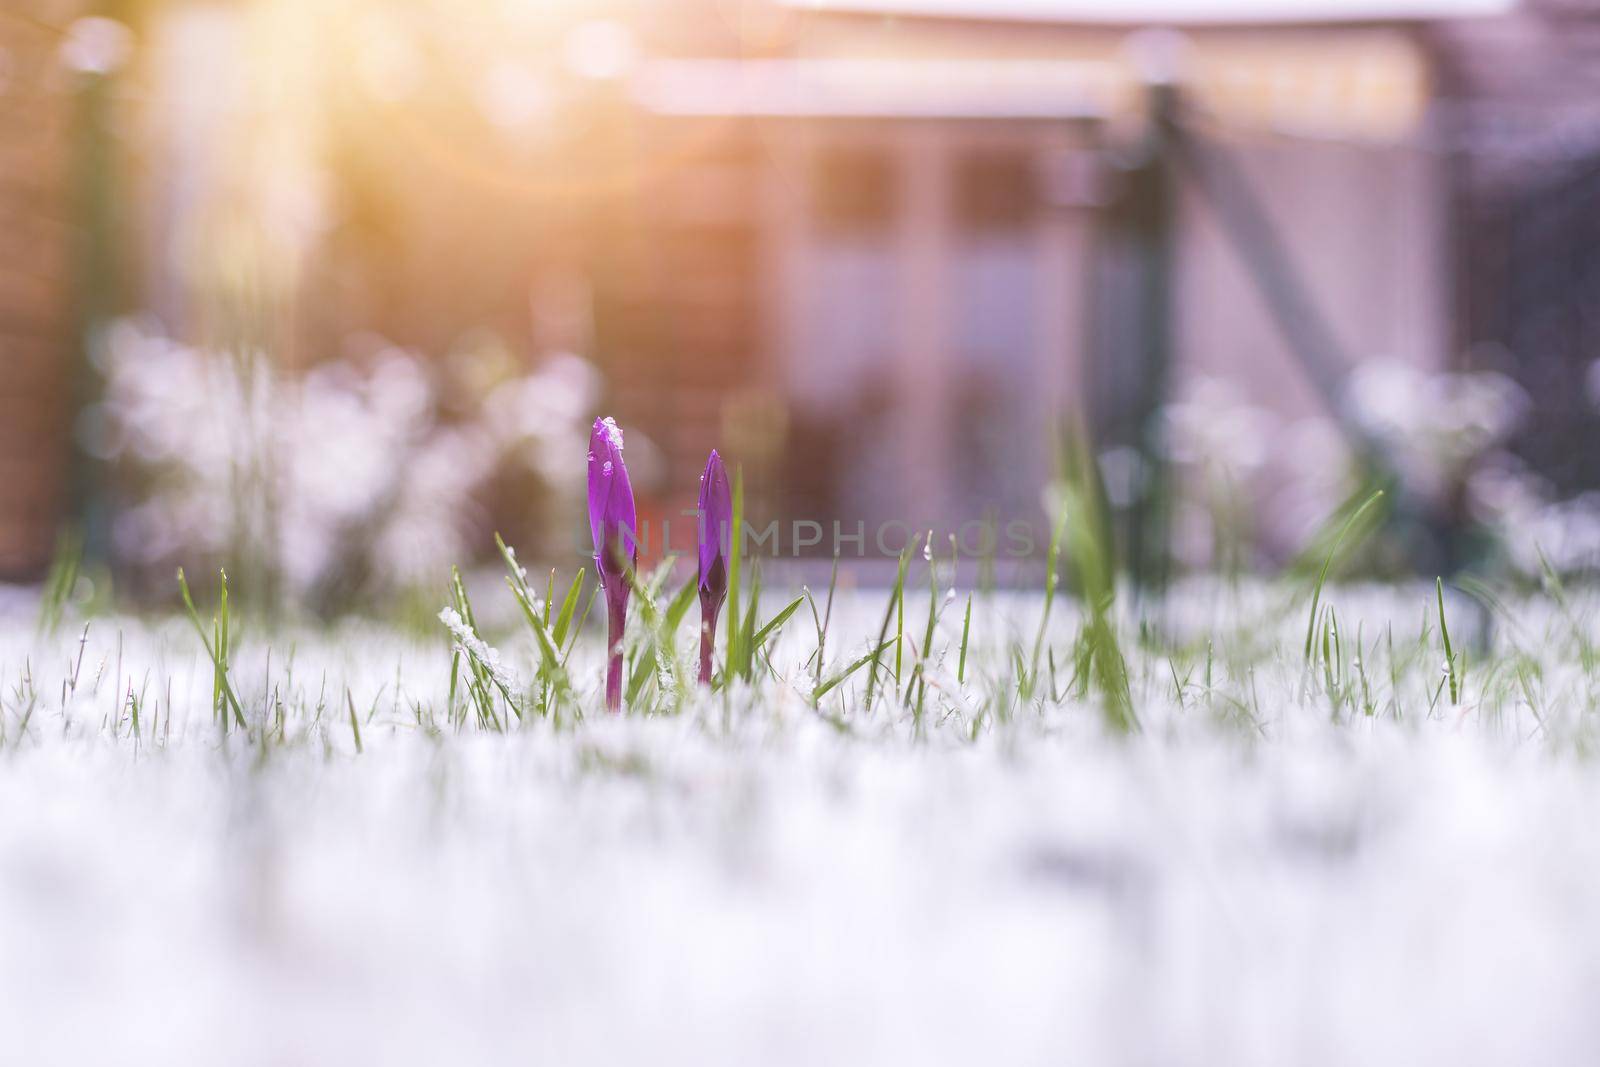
(995, 190)
(854, 191)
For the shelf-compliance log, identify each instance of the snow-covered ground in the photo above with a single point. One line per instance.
(1245, 881)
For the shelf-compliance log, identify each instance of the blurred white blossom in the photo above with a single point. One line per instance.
(350, 467)
(1212, 425)
(96, 45)
(1435, 427)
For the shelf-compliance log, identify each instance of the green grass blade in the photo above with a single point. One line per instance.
(679, 606)
(222, 687)
(355, 727)
(883, 632)
(61, 581)
(1449, 652)
(550, 668)
(1327, 562)
(832, 683)
(777, 621)
(966, 631)
(735, 568)
(558, 632)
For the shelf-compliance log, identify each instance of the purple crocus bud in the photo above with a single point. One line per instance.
(616, 542)
(716, 541)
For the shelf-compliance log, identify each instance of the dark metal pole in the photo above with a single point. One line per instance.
(1223, 184)
(96, 293)
(1310, 337)
(1152, 212)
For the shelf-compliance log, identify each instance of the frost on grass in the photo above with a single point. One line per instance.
(1266, 874)
(470, 644)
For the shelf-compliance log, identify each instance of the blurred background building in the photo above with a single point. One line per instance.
(36, 280)
(879, 251)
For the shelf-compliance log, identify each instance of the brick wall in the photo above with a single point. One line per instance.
(35, 275)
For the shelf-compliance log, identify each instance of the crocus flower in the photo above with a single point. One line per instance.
(715, 530)
(616, 542)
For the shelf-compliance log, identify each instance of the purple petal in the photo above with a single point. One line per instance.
(611, 508)
(620, 517)
(599, 456)
(716, 515)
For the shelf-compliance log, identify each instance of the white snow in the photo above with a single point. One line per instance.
(745, 884)
(613, 432)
